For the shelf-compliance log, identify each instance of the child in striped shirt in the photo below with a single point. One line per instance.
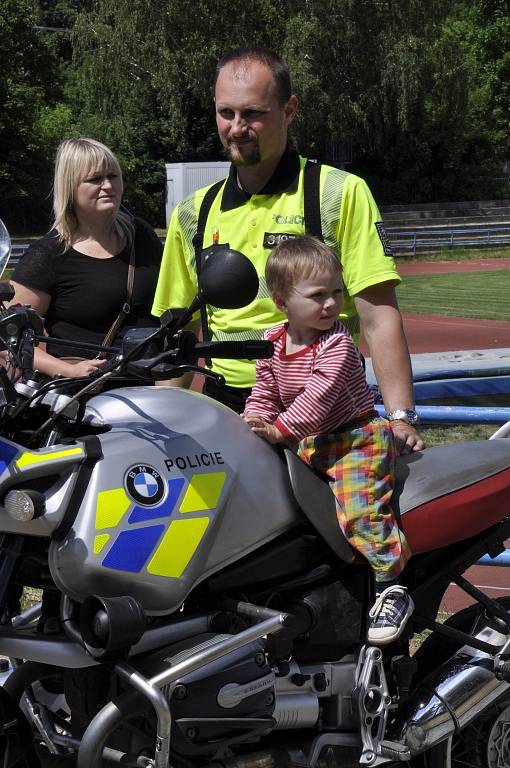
(313, 393)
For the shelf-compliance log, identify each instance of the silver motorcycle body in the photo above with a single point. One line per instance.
(183, 489)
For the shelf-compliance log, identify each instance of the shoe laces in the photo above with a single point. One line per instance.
(384, 602)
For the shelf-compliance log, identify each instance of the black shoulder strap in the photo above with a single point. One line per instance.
(198, 245)
(198, 240)
(312, 199)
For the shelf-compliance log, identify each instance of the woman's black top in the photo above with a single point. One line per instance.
(87, 294)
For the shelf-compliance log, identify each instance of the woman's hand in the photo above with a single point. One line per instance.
(43, 361)
(262, 428)
(83, 368)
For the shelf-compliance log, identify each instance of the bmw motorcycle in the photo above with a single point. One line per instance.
(200, 606)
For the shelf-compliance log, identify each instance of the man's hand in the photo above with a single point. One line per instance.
(269, 432)
(407, 438)
(381, 323)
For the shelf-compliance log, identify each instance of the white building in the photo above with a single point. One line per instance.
(183, 178)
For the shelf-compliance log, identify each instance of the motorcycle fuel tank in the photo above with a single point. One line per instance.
(184, 488)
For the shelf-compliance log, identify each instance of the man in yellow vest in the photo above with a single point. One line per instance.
(261, 202)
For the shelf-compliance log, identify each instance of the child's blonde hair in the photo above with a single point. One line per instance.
(77, 159)
(298, 258)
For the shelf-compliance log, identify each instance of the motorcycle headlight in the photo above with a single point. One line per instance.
(23, 505)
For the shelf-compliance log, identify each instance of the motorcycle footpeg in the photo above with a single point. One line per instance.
(392, 750)
(387, 752)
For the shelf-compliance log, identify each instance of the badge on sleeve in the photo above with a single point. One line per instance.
(383, 237)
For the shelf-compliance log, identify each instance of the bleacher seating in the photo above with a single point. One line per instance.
(435, 226)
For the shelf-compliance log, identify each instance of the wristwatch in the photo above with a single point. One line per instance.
(404, 414)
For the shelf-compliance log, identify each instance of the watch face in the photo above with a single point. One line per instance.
(404, 414)
(410, 416)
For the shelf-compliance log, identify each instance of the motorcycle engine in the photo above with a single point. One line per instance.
(222, 703)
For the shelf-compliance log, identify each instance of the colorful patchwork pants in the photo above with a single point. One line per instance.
(359, 463)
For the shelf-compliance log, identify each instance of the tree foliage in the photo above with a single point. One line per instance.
(26, 66)
(414, 94)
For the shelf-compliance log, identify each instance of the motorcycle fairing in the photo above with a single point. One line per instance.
(225, 495)
(452, 492)
(20, 467)
(165, 550)
(8, 451)
(39, 458)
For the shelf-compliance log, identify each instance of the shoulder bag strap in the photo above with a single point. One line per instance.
(126, 307)
(312, 199)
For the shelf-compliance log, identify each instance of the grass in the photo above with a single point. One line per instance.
(456, 433)
(420, 637)
(480, 295)
(29, 597)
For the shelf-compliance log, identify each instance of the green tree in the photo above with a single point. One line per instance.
(26, 65)
(417, 90)
(363, 80)
(144, 71)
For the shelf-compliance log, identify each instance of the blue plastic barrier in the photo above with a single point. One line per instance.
(458, 414)
(462, 414)
(502, 559)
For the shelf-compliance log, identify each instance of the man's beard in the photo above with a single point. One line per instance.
(250, 156)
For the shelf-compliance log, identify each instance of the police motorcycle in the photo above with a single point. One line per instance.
(209, 611)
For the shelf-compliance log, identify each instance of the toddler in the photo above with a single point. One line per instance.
(313, 393)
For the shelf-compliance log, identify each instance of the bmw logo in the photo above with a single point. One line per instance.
(145, 485)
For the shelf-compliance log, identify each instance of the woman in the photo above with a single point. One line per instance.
(76, 277)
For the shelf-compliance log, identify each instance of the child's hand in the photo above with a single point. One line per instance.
(269, 432)
(261, 428)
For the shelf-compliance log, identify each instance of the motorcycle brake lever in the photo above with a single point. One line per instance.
(179, 370)
(107, 367)
(217, 377)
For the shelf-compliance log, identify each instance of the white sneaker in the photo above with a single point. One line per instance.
(389, 615)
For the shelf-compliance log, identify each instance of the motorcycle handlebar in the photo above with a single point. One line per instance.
(186, 350)
(241, 350)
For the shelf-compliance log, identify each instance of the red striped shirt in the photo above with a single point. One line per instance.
(313, 391)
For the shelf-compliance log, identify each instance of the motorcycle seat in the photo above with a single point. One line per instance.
(452, 492)
(442, 495)
(318, 504)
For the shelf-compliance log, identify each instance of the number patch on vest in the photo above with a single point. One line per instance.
(272, 239)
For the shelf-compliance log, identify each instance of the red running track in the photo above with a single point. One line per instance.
(432, 333)
(435, 333)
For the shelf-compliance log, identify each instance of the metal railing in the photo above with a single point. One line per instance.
(407, 242)
(411, 241)
(17, 251)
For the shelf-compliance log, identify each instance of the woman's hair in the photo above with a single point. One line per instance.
(77, 159)
(298, 258)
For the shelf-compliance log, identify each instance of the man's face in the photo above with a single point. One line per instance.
(252, 125)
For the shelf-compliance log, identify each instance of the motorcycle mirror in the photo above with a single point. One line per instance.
(5, 247)
(227, 279)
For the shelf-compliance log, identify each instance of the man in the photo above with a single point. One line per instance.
(261, 202)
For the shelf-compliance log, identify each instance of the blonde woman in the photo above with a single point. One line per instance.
(76, 276)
